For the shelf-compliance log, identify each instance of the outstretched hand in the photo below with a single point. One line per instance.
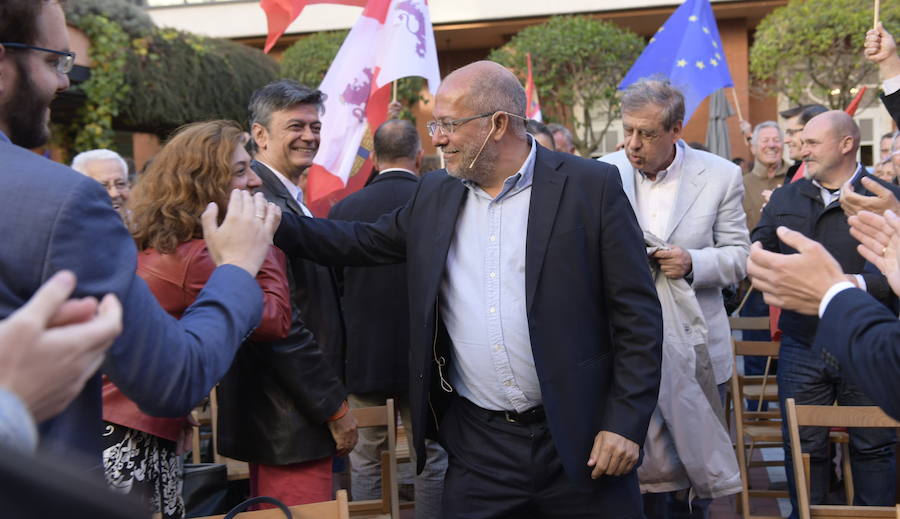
(794, 281)
(246, 233)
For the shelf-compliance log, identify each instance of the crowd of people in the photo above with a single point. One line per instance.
(551, 327)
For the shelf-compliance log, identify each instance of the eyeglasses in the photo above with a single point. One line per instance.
(64, 62)
(448, 127)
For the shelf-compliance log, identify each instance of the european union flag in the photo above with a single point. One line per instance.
(688, 51)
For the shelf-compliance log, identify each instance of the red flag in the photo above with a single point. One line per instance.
(281, 13)
(533, 110)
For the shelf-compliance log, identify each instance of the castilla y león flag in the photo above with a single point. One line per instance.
(280, 14)
(392, 39)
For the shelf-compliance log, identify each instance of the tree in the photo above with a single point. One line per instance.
(309, 58)
(577, 63)
(150, 79)
(811, 50)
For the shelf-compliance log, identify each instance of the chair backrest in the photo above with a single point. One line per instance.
(831, 416)
(337, 509)
(382, 416)
(749, 323)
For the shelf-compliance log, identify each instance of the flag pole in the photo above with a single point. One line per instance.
(394, 89)
(877, 8)
(737, 105)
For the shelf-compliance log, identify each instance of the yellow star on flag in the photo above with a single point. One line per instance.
(652, 40)
(716, 45)
(714, 63)
(718, 56)
(692, 18)
(706, 30)
(700, 65)
(681, 63)
(661, 29)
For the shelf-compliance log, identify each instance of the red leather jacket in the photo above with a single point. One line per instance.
(176, 279)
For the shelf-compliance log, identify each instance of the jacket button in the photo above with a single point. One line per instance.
(421, 376)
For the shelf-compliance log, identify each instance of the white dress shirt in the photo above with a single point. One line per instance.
(292, 188)
(655, 199)
(891, 85)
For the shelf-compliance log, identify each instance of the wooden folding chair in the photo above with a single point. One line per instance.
(831, 416)
(756, 388)
(337, 509)
(753, 429)
(762, 429)
(389, 504)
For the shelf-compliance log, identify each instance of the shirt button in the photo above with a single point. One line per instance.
(492, 309)
(493, 238)
(507, 383)
(493, 275)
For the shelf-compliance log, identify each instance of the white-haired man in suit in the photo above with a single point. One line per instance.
(691, 200)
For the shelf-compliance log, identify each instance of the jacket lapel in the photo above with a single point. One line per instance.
(450, 201)
(627, 173)
(273, 185)
(546, 192)
(688, 189)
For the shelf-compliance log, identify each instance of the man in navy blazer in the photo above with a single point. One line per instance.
(535, 329)
(54, 218)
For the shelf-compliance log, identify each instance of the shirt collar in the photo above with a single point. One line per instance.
(671, 171)
(827, 195)
(397, 169)
(518, 180)
(856, 175)
(292, 188)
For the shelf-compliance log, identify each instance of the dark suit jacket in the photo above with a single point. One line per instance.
(864, 336)
(374, 300)
(54, 218)
(799, 206)
(276, 398)
(892, 103)
(314, 287)
(593, 314)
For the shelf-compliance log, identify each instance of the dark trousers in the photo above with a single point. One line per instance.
(498, 469)
(806, 376)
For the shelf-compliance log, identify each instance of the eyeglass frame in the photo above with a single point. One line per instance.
(447, 128)
(63, 66)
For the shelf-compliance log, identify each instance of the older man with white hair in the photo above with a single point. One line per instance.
(108, 168)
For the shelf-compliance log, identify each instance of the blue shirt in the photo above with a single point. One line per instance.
(482, 300)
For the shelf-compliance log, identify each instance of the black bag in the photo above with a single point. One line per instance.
(205, 489)
(255, 500)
